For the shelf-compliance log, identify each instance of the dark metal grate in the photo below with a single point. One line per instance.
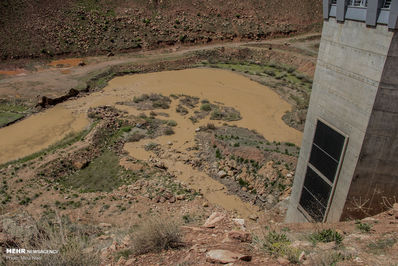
(327, 148)
(387, 4)
(358, 3)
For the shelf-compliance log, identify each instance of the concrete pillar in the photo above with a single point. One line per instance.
(373, 11)
(392, 21)
(341, 9)
(326, 8)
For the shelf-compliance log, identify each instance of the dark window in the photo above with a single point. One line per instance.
(329, 140)
(323, 162)
(312, 206)
(317, 186)
(387, 4)
(321, 170)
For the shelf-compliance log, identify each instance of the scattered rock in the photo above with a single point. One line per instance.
(301, 244)
(221, 174)
(81, 164)
(214, 218)
(225, 256)
(180, 197)
(172, 199)
(103, 237)
(121, 261)
(358, 260)
(253, 217)
(326, 246)
(283, 261)
(240, 223)
(88, 250)
(130, 262)
(240, 235)
(205, 205)
(302, 256)
(270, 199)
(105, 225)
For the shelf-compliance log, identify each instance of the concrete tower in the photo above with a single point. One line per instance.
(348, 163)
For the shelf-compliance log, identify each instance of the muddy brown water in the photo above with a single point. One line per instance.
(260, 107)
(69, 62)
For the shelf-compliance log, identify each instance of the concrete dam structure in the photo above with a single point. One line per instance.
(348, 163)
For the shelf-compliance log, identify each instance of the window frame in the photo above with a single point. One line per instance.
(324, 178)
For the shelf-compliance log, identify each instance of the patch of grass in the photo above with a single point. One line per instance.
(330, 258)
(126, 128)
(58, 233)
(277, 245)
(187, 218)
(181, 109)
(12, 107)
(326, 236)
(172, 123)
(218, 154)
(138, 99)
(151, 146)
(160, 104)
(380, 246)
(136, 136)
(225, 114)
(155, 235)
(102, 174)
(243, 183)
(168, 131)
(67, 140)
(210, 126)
(363, 227)
(125, 253)
(7, 118)
(11, 112)
(206, 107)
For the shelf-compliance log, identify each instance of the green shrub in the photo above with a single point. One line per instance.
(126, 128)
(168, 131)
(205, 107)
(151, 146)
(157, 234)
(218, 154)
(381, 245)
(363, 227)
(278, 244)
(172, 123)
(102, 174)
(326, 235)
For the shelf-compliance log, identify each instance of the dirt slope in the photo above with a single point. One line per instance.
(46, 28)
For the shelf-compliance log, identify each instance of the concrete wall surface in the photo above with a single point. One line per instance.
(349, 68)
(375, 184)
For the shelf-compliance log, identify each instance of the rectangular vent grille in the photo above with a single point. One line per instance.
(326, 153)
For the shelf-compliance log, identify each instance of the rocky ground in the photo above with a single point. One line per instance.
(219, 199)
(90, 27)
(86, 193)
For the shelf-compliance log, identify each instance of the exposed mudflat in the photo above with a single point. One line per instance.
(38, 132)
(260, 107)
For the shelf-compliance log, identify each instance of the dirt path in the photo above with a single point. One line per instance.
(52, 81)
